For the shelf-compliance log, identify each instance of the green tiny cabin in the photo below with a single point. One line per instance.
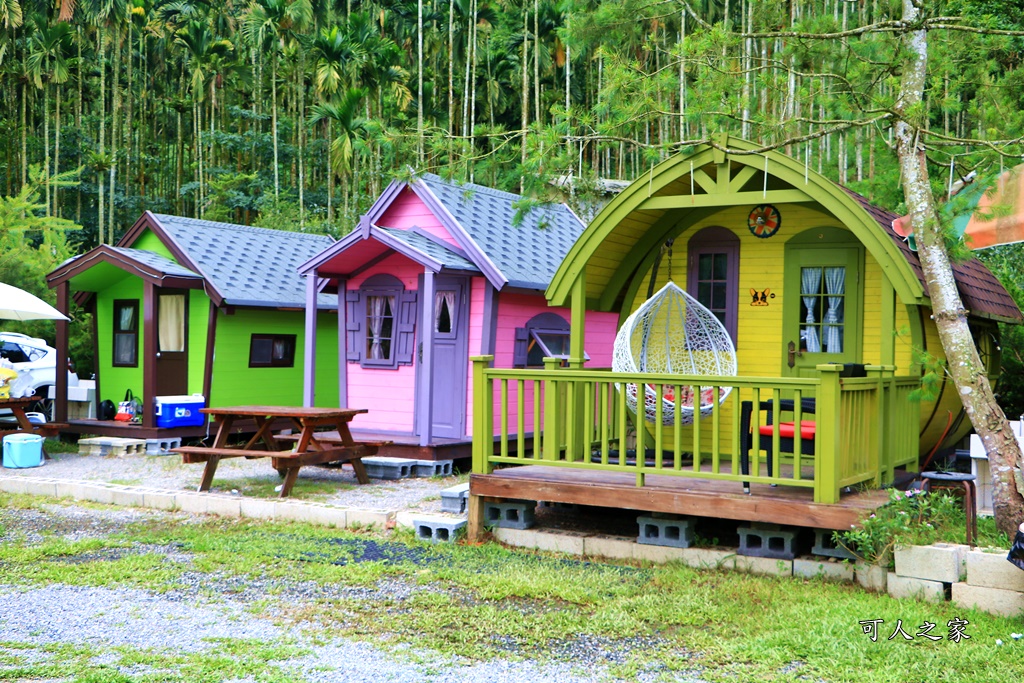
(193, 307)
(826, 307)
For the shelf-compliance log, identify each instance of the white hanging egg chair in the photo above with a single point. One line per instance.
(672, 333)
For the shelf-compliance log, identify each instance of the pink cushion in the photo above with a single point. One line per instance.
(786, 429)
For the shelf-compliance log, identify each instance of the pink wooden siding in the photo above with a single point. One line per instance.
(388, 394)
(514, 310)
(476, 340)
(409, 211)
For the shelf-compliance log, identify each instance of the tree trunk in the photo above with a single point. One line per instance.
(273, 123)
(962, 361)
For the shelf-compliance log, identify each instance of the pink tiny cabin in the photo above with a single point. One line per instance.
(433, 274)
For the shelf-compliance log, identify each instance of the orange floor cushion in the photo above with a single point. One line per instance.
(786, 429)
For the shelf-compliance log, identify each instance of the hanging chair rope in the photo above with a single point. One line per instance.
(672, 333)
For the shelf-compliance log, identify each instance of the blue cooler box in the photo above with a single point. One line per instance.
(23, 450)
(180, 411)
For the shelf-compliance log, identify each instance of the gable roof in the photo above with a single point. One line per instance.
(526, 255)
(368, 244)
(242, 265)
(102, 265)
(981, 292)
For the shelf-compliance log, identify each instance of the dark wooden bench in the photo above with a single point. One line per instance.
(287, 463)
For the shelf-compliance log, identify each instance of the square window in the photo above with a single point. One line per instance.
(272, 351)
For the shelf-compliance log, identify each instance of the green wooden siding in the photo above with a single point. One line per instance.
(115, 380)
(235, 383)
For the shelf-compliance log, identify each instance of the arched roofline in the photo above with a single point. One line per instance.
(818, 188)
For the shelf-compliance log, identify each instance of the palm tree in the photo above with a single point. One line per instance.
(342, 114)
(206, 53)
(270, 24)
(46, 60)
(335, 60)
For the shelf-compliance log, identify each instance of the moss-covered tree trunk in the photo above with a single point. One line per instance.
(963, 363)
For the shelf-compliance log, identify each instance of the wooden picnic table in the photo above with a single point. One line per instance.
(309, 449)
(22, 425)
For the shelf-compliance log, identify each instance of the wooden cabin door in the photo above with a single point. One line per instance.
(822, 306)
(450, 357)
(171, 342)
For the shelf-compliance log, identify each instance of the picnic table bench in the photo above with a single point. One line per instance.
(309, 449)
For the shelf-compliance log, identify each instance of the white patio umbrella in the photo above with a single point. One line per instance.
(17, 304)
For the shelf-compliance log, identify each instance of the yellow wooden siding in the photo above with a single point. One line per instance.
(871, 350)
(904, 341)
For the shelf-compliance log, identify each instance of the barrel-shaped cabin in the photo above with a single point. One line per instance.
(826, 308)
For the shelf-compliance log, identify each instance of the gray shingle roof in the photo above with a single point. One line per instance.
(447, 257)
(527, 254)
(249, 266)
(155, 261)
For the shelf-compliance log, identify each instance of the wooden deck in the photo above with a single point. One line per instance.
(404, 445)
(791, 506)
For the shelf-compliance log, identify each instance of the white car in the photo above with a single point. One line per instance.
(36, 364)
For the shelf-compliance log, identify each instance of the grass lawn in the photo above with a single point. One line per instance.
(485, 601)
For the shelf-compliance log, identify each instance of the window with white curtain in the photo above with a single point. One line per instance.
(171, 323)
(126, 333)
(822, 309)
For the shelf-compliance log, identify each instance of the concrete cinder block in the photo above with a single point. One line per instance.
(810, 568)
(992, 600)
(871, 577)
(437, 529)
(191, 502)
(612, 547)
(825, 545)
(388, 468)
(126, 496)
(767, 541)
(257, 508)
(763, 565)
(561, 542)
(365, 518)
(328, 515)
(939, 562)
(432, 468)
(455, 498)
(14, 485)
(37, 486)
(511, 514)
(111, 445)
(223, 505)
(159, 500)
(659, 554)
(910, 588)
(97, 493)
(709, 558)
(992, 570)
(162, 446)
(295, 511)
(674, 532)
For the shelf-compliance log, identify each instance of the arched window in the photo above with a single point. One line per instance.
(713, 273)
(545, 335)
(381, 323)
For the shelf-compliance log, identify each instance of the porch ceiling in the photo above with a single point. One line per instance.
(683, 190)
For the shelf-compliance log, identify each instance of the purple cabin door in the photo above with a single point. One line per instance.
(450, 357)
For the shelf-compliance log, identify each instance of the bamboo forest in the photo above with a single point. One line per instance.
(296, 114)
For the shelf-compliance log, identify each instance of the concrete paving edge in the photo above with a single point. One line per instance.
(220, 504)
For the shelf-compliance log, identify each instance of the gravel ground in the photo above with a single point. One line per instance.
(166, 472)
(211, 607)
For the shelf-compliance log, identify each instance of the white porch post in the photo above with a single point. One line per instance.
(425, 358)
(309, 368)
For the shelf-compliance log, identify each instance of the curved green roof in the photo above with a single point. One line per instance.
(710, 178)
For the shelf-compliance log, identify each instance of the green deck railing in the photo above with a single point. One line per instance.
(576, 418)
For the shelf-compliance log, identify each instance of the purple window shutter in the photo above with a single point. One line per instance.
(407, 312)
(354, 324)
(520, 350)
